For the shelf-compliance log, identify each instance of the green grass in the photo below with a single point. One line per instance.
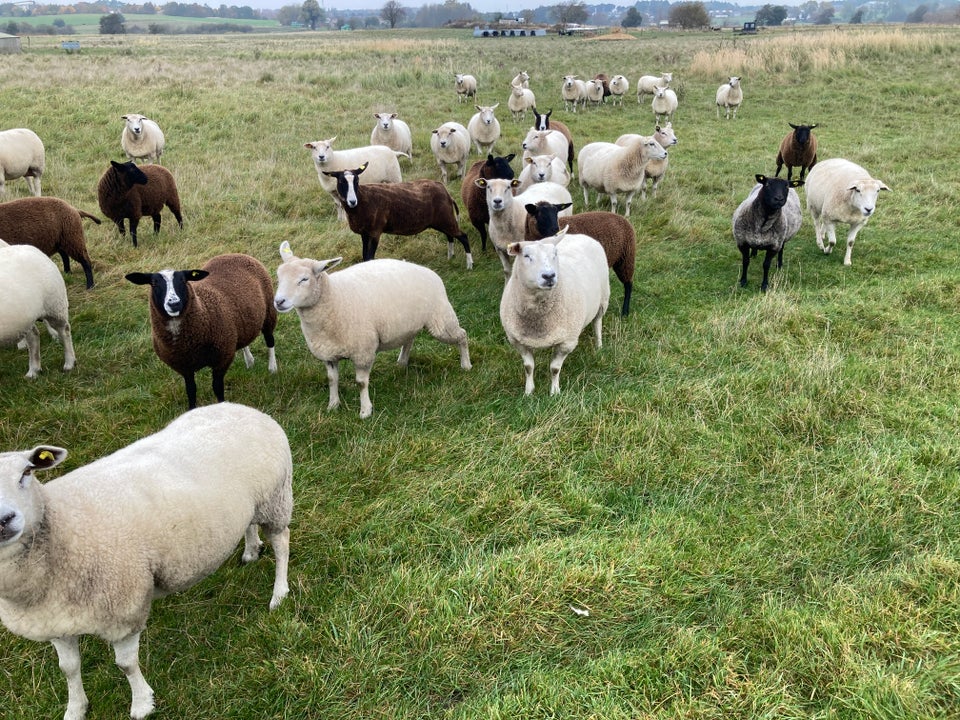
(754, 496)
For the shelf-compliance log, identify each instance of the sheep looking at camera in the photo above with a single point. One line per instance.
(128, 191)
(450, 144)
(543, 122)
(543, 168)
(141, 138)
(573, 91)
(730, 96)
(619, 87)
(21, 156)
(647, 84)
(656, 168)
(393, 132)
(521, 99)
(484, 128)
(664, 104)
(545, 142)
(466, 86)
(766, 220)
(86, 553)
(797, 149)
(613, 169)
(475, 198)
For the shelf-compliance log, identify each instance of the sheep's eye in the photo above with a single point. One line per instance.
(301, 281)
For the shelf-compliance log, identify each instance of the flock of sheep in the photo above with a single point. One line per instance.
(556, 271)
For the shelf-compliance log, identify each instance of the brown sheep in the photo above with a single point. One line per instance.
(128, 191)
(475, 198)
(797, 149)
(51, 225)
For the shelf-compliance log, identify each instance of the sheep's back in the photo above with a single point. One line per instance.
(31, 288)
(20, 150)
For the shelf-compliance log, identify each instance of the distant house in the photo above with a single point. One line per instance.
(9, 44)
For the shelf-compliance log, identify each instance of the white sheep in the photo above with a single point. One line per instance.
(543, 168)
(32, 289)
(574, 92)
(484, 128)
(382, 165)
(839, 191)
(21, 156)
(594, 91)
(393, 132)
(545, 142)
(646, 84)
(86, 553)
(357, 312)
(730, 96)
(522, 79)
(141, 138)
(556, 288)
(655, 169)
(613, 169)
(450, 144)
(664, 104)
(521, 99)
(466, 86)
(619, 87)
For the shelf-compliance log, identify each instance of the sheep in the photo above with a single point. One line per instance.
(543, 168)
(797, 149)
(475, 198)
(557, 287)
(646, 84)
(614, 233)
(730, 96)
(141, 138)
(573, 92)
(619, 87)
(766, 220)
(451, 146)
(203, 324)
(613, 169)
(357, 312)
(21, 156)
(393, 132)
(484, 128)
(594, 91)
(655, 169)
(128, 191)
(605, 82)
(522, 79)
(466, 86)
(521, 99)
(664, 104)
(86, 553)
(32, 289)
(50, 224)
(543, 122)
(840, 191)
(545, 142)
(382, 165)
(405, 208)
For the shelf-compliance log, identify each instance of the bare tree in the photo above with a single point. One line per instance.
(570, 12)
(392, 13)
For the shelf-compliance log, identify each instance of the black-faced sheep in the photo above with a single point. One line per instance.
(404, 208)
(141, 138)
(797, 149)
(475, 198)
(86, 553)
(21, 156)
(127, 191)
(50, 224)
(766, 220)
(543, 122)
(203, 324)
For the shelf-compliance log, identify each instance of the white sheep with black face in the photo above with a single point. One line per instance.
(142, 138)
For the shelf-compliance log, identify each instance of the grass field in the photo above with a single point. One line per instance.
(754, 496)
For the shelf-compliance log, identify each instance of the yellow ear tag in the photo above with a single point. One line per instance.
(46, 455)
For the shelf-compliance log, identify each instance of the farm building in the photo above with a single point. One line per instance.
(9, 44)
(509, 32)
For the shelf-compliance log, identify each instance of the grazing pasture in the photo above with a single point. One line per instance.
(745, 505)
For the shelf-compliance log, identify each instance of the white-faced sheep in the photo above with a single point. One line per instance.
(574, 92)
(450, 144)
(655, 169)
(21, 156)
(475, 198)
(730, 96)
(466, 86)
(405, 208)
(543, 168)
(664, 104)
(484, 128)
(543, 122)
(613, 169)
(839, 191)
(50, 224)
(141, 138)
(557, 287)
(594, 92)
(766, 220)
(32, 289)
(201, 318)
(382, 165)
(522, 79)
(619, 87)
(605, 82)
(357, 312)
(646, 84)
(797, 149)
(545, 142)
(393, 132)
(127, 191)
(521, 99)
(615, 234)
(86, 553)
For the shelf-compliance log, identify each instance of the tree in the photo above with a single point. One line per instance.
(393, 13)
(824, 15)
(570, 12)
(917, 14)
(311, 14)
(112, 24)
(689, 15)
(288, 14)
(857, 17)
(771, 15)
(631, 19)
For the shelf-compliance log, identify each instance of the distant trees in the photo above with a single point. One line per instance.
(431, 15)
(689, 15)
(570, 12)
(824, 15)
(112, 24)
(771, 15)
(311, 14)
(288, 14)
(393, 13)
(916, 15)
(631, 18)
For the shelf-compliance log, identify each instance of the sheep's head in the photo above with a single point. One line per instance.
(128, 174)
(322, 150)
(863, 195)
(775, 191)
(298, 280)
(135, 123)
(348, 182)
(801, 133)
(497, 167)
(499, 192)
(546, 216)
(168, 289)
(20, 503)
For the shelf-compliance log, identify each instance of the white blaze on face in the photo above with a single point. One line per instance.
(172, 303)
(351, 180)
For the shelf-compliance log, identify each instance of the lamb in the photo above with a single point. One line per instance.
(32, 289)
(729, 96)
(484, 128)
(840, 191)
(766, 220)
(382, 165)
(543, 122)
(357, 312)
(86, 553)
(619, 87)
(521, 99)
(573, 92)
(614, 233)
(466, 86)
(405, 208)
(141, 138)
(560, 286)
(451, 146)
(475, 198)
(393, 132)
(646, 84)
(664, 104)
(543, 168)
(797, 149)
(50, 224)
(203, 324)
(126, 190)
(655, 169)
(21, 156)
(545, 142)
(613, 169)
(594, 90)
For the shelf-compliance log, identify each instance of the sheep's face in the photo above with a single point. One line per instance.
(299, 282)
(546, 216)
(497, 167)
(443, 134)
(863, 195)
(775, 191)
(20, 502)
(347, 184)
(536, 265)
(542, 170)
(321, 150)
(801, 134)
(135, 124)
(385, 120)
(650, 148)
(568, 81)
(665, 135)
(499, 193)
(128, 174)
(486, 113)
(169, 294)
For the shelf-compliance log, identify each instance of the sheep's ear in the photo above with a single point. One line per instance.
(513, 248)
(797, 183)
(883, 186)
(813, 126)
(437, 131)
(509, 158)
(192, 275)
(795, 127)
(760, 178)
(494, 107)
(140, 278)
(361, 168)
(310, 145)
(46, 456)
(562, 206)
(480, 183)
(531, 209)
(286, 253)
(562, 233)
(393, 115)
(515, 183)
(321, 266)
(528, 160)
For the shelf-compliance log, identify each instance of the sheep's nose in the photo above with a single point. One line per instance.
(868, 211)
(351, 203)
(497, 203)
(549, 278)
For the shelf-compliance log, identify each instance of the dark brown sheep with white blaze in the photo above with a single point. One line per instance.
(51, 225)
(403, 208)
(797, 149)
(128, 191)
(200, 318)
(475, 198)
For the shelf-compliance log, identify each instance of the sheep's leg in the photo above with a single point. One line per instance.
(248, 358)
(33, 183)
(218, 377)
(526, 356)
(32, 340)
(87, 272)
(507, 265)
(405, 349)
(66, 260)
(744, 264)
(627, 293)
(134, 222)
(370, 244)
(190, 384)
(252, 545)
(156, 223)
(451, 333)
(629, 200)
(586, 195)
(62, 328)
(280, 542)
(767, 258)
(271, 353)
(68, 656)
(363, 380)
(465, 241)
(851, 238)
(126, 653)
(831, 233)
(333, 380)
(556, 362)
(613, 203)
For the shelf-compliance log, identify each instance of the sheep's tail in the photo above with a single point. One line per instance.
(401, 153)
(89, 216)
